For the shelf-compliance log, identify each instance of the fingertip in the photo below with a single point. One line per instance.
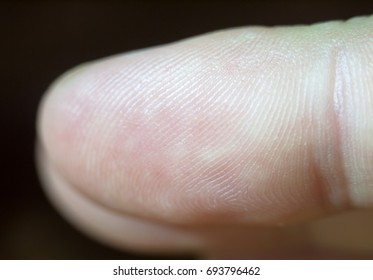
(215, 129)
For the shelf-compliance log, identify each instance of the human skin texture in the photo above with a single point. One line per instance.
(247, 142)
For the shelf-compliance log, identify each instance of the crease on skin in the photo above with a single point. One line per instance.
(327, 155)
(337, 102)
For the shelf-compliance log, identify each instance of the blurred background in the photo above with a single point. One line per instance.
(42, 39)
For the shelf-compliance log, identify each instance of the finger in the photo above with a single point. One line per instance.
(250, 125)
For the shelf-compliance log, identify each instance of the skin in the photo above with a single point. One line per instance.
(250, 142)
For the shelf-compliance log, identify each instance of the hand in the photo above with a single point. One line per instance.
(250, 142)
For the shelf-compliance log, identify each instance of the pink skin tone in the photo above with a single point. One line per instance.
(243, 128)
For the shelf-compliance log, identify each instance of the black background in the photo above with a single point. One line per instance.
(40, 40)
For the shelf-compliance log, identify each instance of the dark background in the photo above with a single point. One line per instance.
(40, 40)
